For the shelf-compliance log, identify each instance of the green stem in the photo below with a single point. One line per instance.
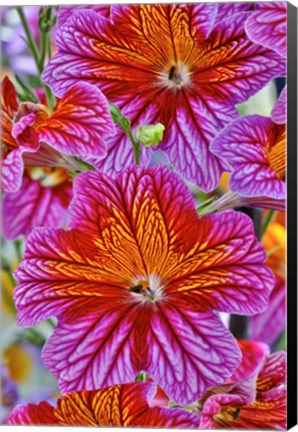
(33, 48)
(30, 40)
(267, 221)
(18, 248)
(44, 44)
(136, 147)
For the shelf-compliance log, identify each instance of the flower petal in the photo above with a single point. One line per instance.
(120, 405)
(65, 12)
(253, 354)
(13, 169)
(79, 123)
(278, 114)
(268, 325)
(34, 205)
(101, 353)
(9, 107)
(225, 270)
(273, 373)
(268, 26)
(189, 351)
(246, 144)
(139, 211)
(225, 10)
(234, 68)
(41, 414)
(195, 123)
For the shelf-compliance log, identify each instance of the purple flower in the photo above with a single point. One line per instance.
(169, 64)
(134, 284)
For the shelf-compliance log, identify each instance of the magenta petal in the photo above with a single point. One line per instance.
(99, 354)
(253, 354)
(268, 325)
(25, 124)
(65, 12)
(227, 9)
(80, 122)
(236, 75)
(191, 348)
(243, 144)
(13, 168)
(197, 121)
(279, 114)
(268, 26)
(32, 206)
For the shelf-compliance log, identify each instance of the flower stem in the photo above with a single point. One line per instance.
(267, 221)
(33, 48)
(30, 40)
(125, 126)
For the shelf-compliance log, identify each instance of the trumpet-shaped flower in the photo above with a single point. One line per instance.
(76, 127)
(256, 401)
(167, 64)
(125, 405)
(134, 284)
(255, 149)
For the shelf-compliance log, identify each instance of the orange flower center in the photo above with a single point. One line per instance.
(147, 289)
(277, 156)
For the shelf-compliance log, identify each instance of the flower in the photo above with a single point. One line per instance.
(268, 325)
(42, 200)
(76, 126)
(256, 401)
(255, 149)
(134, 284)
(267, 26)
(167, 64)
(120, 405)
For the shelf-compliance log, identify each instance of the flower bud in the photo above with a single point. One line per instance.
(150, 135)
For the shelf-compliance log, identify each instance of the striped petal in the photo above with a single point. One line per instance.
(268, 26)
(279, 113)
(9, 107)
(227, 9)
(255, 149)
(80, 122)
(65, 12)
(34, 205)
(120, 405)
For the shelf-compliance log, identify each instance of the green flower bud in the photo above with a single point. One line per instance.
(150, 135)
